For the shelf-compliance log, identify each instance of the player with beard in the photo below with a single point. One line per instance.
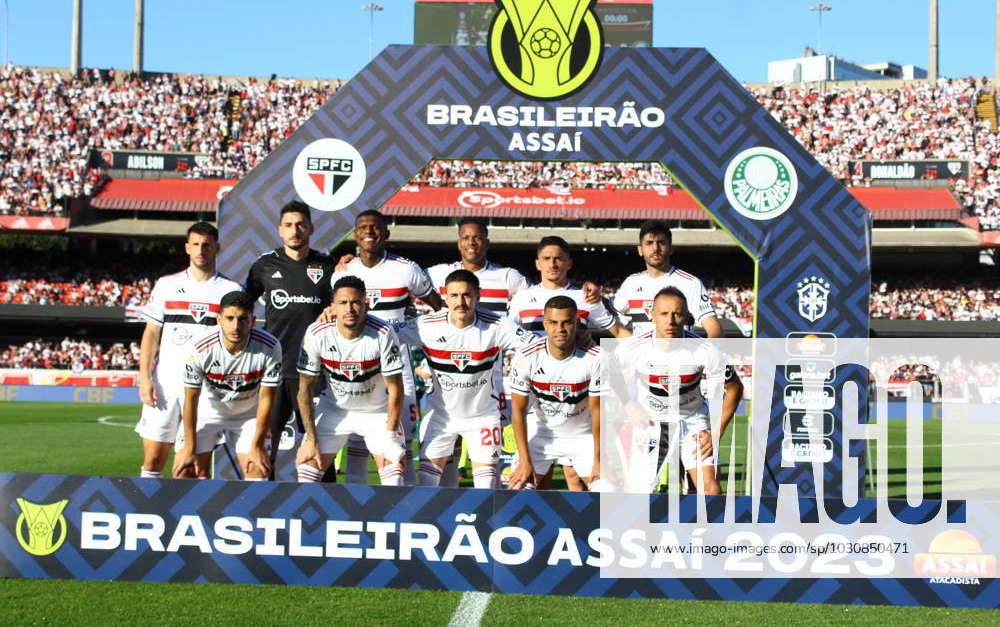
(179, 309)
(634, 298)
(360, 357)
(294, 281)
(391, 282)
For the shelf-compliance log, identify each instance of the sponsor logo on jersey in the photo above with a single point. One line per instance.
(281, 299)
(813, 293)
(329, 174)
(760, 183)
(198, 310)
(545, 50)
(41, 529)
(315, 273)
(181, 335)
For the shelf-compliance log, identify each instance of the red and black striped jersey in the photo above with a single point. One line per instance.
(670, 378)
(634, 299)
(230, 382)
(528, 305)
(355, 368)
(390, 285)
(560, 388)
(497, 284)
(462, 360)
(183, 307)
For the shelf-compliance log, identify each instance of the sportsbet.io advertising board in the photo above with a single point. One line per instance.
(541, 88)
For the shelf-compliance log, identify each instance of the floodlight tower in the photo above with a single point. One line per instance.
(371, 8)
(76, 35)
(820, 9)
(932, 61)
(137, 42)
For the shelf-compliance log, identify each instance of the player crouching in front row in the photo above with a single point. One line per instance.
(222, 376)
(566, 382)
(360, 356)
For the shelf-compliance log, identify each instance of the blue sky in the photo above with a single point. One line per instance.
(329, 38)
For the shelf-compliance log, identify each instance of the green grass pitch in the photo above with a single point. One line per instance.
(97, 439)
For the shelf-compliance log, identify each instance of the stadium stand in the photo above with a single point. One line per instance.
(70, 354)
(49, 122)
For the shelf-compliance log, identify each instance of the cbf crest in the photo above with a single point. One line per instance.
(545, 49)
(814, 293)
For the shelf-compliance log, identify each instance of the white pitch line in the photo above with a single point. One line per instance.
(107, 420)
(470, 609)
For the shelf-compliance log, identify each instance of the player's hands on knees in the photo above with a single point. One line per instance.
(184, 464)
(704, 440)
(342, 263)
(308, 453)
(147, 392)
(521, 478)
(258, 462)
(394, 447)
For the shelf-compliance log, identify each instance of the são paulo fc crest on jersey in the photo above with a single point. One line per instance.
(198, 310)
(813, 293)
(373, 296)
(350, 369)
(647, 308)
(233, 380)
(461, 359)
(560, 390)
(315, 273)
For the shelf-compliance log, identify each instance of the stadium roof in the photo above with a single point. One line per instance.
(202, 195)
(162, 194)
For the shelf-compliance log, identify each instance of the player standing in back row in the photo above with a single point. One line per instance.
(180, 308)
(391, 282)
(294, 281)
(634, 298)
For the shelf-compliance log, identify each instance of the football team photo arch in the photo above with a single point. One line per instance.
(674, 106)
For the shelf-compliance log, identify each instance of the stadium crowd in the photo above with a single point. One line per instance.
(49, 123)
(63, 280)
(70, 354)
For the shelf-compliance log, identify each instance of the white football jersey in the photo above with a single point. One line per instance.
(497, 284)
(355, 368)
(666, 377)
(634, 298)
(183, 307)
(230, 383)
(560, 389)
(390, 284)
(528, 306)
(462, 360)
